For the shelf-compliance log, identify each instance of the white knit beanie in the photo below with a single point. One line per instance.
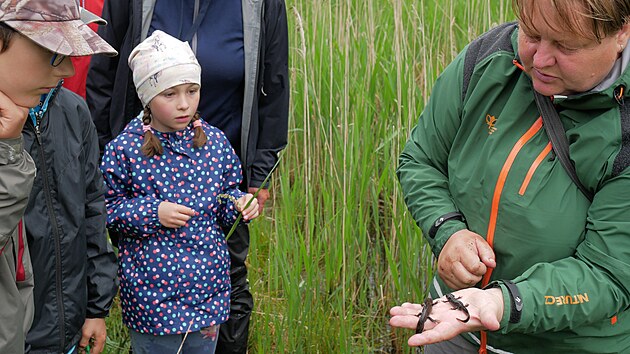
(160, 62)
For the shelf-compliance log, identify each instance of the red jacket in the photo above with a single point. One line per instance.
(76, 83)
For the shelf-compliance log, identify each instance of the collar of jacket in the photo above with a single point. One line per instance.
(36, 113)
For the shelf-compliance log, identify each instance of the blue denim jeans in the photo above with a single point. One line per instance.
(201, 342)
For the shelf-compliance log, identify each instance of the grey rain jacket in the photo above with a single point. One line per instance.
(74, 263)
(16, 274)
(113, 101)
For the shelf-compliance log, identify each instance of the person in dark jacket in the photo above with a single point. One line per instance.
(174, 263)
(36, 37)
(74, 264)
(244, 60)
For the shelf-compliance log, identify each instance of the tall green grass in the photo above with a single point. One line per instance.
(336, 247)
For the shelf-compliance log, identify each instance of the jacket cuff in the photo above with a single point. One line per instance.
(507, 309)
(259, 184)
(97, 314)
(444, 233)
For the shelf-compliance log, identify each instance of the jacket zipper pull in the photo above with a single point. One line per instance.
(618, 93)
(38, 119)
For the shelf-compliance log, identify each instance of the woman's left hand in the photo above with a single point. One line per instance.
(249, 211)
(485, 308)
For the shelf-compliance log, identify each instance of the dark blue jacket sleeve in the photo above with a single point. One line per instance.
(273, 102)
(102, 282)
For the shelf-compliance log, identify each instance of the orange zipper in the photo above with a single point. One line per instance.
(498, 190)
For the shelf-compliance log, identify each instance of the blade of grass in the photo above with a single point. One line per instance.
(240, 215)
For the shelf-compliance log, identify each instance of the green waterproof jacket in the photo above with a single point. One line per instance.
(480, 148)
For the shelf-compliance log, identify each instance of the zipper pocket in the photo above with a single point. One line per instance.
(533, 167)
(498, 189)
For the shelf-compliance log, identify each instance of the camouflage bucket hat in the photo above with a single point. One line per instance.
(57, 25)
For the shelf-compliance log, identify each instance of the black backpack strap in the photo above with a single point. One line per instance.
(559, 143)
(496, 39)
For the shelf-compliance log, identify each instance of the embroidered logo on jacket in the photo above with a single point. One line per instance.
(566, 299)
(491, 121)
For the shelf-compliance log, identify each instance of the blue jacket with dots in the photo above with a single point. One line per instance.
(172, 280)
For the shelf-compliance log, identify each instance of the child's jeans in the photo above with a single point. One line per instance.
(204, 341)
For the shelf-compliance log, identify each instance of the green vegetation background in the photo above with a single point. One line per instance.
(336, 247)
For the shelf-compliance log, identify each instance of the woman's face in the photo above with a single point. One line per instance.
(562, 62)
(26, 72)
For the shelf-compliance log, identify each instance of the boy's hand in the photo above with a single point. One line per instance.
(94, 330)
(174, 215)
(12, 118)
(252, 211)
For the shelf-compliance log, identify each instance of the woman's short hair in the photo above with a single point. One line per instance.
(606, 16)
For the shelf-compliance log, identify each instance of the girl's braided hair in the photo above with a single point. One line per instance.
(152, 145)
(200, 138)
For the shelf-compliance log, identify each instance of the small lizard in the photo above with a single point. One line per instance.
(458, 305)
(424, 315)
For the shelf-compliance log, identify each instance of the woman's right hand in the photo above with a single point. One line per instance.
(464, 260)
(12, 118)
(483, 311)
(174, 215)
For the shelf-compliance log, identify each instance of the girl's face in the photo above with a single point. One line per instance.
(173, 109)
(563, 63)
(26, 71)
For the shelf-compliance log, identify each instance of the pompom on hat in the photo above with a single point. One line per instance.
(57, 25)
(160, 62)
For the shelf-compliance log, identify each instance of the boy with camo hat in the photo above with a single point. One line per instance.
(35, 38)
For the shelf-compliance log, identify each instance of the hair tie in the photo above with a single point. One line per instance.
(197, 123)
(146, 128)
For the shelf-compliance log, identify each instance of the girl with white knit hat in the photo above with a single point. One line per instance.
(172, 180)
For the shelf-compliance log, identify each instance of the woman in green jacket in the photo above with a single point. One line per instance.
(538, 265)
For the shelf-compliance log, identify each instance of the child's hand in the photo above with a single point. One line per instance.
(251, 212)
(12, 118)
(174, 215)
